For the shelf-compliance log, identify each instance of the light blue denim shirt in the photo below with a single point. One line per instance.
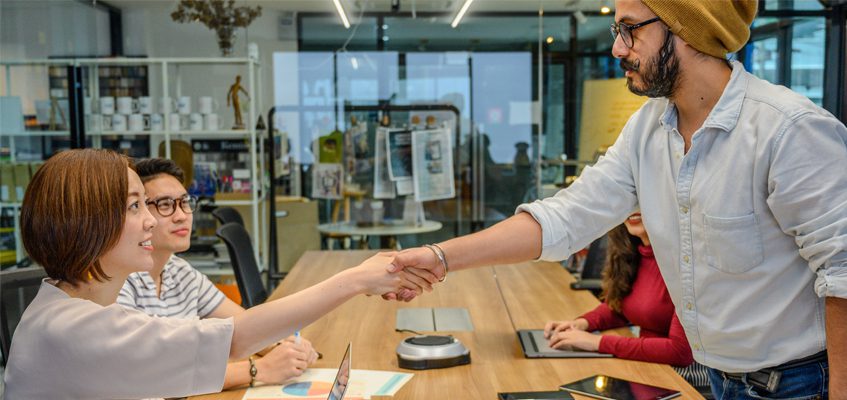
(749, 227)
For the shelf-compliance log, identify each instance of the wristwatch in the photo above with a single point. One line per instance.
(253, 371)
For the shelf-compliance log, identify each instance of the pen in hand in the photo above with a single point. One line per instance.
(297, 342)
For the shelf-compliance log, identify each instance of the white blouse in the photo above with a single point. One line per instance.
(72, 348)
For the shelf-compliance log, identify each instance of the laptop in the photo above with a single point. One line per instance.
(339, 387)
(534, 345)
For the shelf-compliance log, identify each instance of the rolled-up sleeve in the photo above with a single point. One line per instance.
(599, 200)
(808, 195)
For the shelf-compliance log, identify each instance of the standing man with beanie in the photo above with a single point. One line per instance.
(743, 191)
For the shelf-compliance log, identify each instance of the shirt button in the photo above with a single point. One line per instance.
(696, 347)
(684, 209)
(689, 306)
(685, 258)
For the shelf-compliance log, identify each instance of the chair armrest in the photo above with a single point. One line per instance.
(586, 284)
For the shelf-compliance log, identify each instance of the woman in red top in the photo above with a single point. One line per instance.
(634, 294)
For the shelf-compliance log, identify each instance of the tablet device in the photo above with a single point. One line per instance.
(339, 387)
(606, 387)
(534, 345)
(551, 395)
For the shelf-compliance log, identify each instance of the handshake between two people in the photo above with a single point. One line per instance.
(401, 275)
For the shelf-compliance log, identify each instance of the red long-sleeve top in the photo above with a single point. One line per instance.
(649, 306)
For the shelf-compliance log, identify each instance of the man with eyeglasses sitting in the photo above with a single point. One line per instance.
(173, 288)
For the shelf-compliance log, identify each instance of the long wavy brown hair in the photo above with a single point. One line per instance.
(622, 260)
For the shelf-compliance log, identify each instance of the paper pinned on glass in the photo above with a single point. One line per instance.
(399, 154)
(432, 164)
(383, 185)
(327, 180)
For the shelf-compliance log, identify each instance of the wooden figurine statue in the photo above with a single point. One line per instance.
(232, 98)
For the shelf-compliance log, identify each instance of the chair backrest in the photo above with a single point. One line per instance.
(595, 261)
(18, 288)
(243, 264)
(228, 214)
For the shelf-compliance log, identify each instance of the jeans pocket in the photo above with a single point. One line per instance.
(807, 382)
(753, 393)
(733, 245)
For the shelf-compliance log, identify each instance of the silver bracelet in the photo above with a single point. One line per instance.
(439, 253)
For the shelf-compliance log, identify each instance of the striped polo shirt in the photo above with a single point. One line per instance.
(186, 292)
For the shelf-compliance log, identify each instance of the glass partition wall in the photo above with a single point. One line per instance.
(517, 80)
(506, 75)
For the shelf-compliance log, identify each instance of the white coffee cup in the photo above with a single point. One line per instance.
(127, 105)
(107, 105)
(136, 123)
(195, 122)
(211, 122)
(183, 105)
(145, 105)
(166, 105)
(208, 105)
(157, 123)
(119, 123)
(95, 122)
(174, 122)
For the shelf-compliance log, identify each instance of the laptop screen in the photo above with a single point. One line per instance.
(339, 387)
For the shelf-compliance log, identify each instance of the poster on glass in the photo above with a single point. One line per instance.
(432, 165)
(383, 185)
(327, 181)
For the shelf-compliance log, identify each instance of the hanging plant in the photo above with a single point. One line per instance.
(218, 15)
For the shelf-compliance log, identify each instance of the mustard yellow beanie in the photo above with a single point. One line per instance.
(713, 27)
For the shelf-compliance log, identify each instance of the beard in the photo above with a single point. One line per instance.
(661, 76)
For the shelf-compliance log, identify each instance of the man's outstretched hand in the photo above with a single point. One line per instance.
(420, 263)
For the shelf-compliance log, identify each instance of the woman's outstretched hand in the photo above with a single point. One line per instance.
(421, 267)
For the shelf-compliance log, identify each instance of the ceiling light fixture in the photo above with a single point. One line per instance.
(461, 13)
(342, 14)
(550, 40)
(605, 10)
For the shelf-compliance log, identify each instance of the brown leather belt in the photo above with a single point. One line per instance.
(768, 378)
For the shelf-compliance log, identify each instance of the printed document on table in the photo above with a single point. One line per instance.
(316, 383)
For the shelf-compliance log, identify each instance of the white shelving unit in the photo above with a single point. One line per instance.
(166, 66)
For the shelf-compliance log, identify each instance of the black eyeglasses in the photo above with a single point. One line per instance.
(625, 30)
(167, 206)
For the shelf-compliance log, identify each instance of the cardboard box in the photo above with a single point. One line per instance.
(7, 183)
(21, 179)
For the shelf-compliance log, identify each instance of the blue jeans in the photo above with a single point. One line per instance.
(805, 382)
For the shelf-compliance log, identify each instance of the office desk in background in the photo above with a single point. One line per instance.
(387, 233)
(532, 293)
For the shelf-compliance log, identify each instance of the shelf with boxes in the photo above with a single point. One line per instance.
(14, 178)
(147, 107)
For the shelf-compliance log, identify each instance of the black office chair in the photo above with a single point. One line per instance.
(591, 273)
(244, 264)
(18, 288)
(226, 215)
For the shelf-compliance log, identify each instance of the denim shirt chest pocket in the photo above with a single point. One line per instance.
(733, 244)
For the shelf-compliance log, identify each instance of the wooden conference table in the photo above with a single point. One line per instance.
(531, 293)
